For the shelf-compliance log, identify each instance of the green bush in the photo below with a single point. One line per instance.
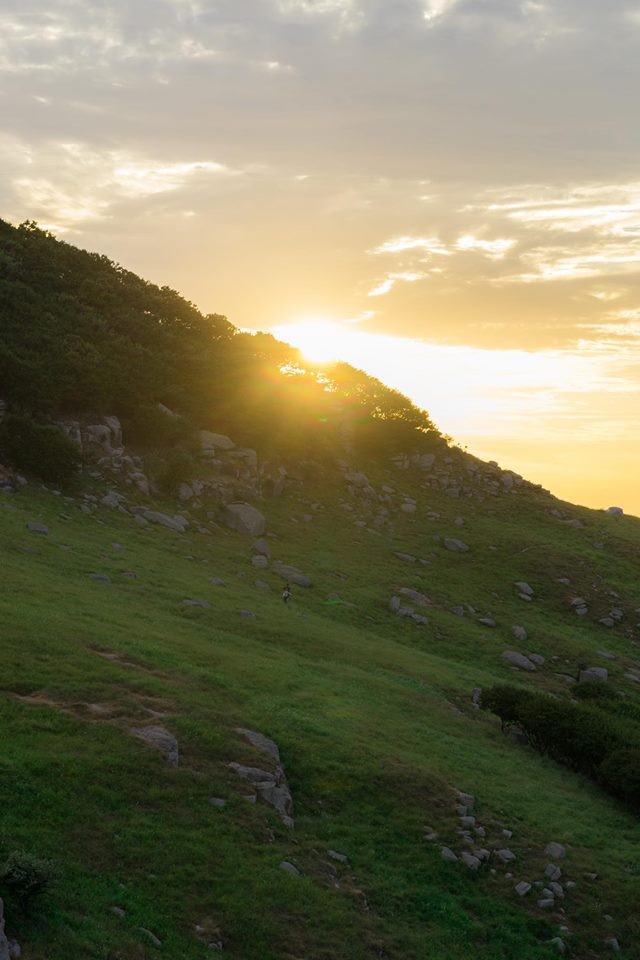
(38, 448)
(594, 737)
(26, 876)
(176, 469)
(619, 774)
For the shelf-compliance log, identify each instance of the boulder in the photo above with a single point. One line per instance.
(245, 519)
(447, 854)
(185, 492)
(289, 868)
(614, 511)
(291, 574)
(215, 441)
(470, 860)
(456, 546)
(522, 888)
(35, 527)
(178, 524)
(505, 855)
(259, 561)
(523, 587)
(161, 739)
(594, 673)
(262, 547)
(407, 507)
(420, 598)
(537, 658)
(518, 660)
(519, 633)
(555, 850)
(260, 742)
(112, 499)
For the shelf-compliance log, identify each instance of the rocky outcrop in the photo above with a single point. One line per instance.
(271, 784)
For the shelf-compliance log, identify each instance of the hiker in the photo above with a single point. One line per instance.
(286, 593)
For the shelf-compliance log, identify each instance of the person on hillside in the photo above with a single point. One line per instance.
(286, 593)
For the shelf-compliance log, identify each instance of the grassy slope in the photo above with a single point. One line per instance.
(371, 713)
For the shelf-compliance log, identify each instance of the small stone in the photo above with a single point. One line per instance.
(546, 903)
(517, 659)
(507, 833)
(556, 889)
(447, 854)
(470, 860)
(523, 588)
(519, 633)
(467, 799)
(552, 871)
(505, 855)
(522, 888)
(248, 614)
(467, 822)
(594, 673)
(150, 936)
(217, 802)
(35, 527)
(555, 850)
(196, 603)
(454, 545)
(340, 857)
(289, 868)
(487, 621)
(217, 581)
(118, 911)
(537, 658)
(100, 577)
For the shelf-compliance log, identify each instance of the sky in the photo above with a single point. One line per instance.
(443, 192)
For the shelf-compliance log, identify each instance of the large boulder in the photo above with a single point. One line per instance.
(214, 441)
(518, 660)
(245, 519)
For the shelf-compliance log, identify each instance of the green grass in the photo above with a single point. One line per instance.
(372, 715)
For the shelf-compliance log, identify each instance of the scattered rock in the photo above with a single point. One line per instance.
(118, 911)
(289, 868)
(161, 739)
(217, 581)
(150, 936)
(259, 561)
(555, 850)
(248, 614)
(262, 547)
(394, 604)
(537, 659)
(518, 660)
(196, 603)
(524, 588)
(447, 854)
(217, 802)
(519, 633)
(612, 942)
(594, 673)
(36, 527)
(178, 524)
(245, 519)
(487, 621)
(552, 871)
(522, 888)
(340, 857)
(558, 945)
(466, 798)
(470, 860)
(456, 546)
(505, 855)
(100, 577)
(405, 557)
(420, 598)
(546, 903)
(615, 511)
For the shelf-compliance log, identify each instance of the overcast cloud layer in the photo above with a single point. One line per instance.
(463, 172)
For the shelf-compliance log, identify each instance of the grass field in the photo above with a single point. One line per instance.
(372, 714)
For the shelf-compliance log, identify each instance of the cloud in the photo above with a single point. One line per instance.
(67, 184)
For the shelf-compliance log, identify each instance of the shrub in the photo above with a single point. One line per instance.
(619, 774)
(38, 448)
(177, 468)
(506, 702)
(26, 876)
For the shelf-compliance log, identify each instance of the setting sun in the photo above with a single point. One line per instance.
(316, 337)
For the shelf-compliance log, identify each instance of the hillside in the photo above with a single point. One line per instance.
(151, 666)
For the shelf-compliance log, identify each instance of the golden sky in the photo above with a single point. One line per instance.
(446, 191)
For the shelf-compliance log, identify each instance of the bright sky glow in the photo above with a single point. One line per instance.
(468, 170)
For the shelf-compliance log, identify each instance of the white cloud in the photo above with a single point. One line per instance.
(386, 285)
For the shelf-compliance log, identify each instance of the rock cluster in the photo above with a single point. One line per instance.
(270, 784)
